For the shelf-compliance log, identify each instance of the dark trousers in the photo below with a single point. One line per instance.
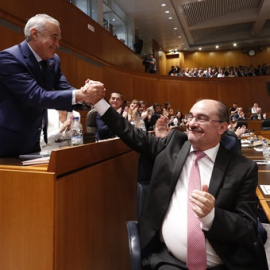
(164, 260)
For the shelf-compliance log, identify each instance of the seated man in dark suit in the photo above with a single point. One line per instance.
(224, 206)
(103, 131)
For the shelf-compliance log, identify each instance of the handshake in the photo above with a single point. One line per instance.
(91, 92)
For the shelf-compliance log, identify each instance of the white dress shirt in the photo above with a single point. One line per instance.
(174, 228)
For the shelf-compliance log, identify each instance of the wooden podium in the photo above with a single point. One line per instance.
(69, 214)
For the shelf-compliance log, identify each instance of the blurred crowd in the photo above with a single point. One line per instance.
(219, 72)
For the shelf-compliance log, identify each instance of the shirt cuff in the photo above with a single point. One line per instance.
(73, 98)
(101, 106)
(207, 221)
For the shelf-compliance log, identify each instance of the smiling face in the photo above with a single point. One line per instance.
(46, 42)
(115, 100)
(205, 134)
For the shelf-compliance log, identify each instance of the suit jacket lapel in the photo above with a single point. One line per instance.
(31, 62)
(181, 158)
(219, 169)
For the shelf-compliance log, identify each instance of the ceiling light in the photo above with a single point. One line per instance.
(175, 28)
(170, 18)
(200, 49)
(234, 44)
(167, 11)
(179, 36)
(217, 47)
(163, 5)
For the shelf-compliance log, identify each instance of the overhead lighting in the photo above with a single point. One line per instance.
(179, 36)
(167, 11)
(200, 49)
(170, 18)
(175, 28)
(217, 47)
(163, 5)
(234, 44)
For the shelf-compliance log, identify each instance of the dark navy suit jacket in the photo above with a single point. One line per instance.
(25, 97)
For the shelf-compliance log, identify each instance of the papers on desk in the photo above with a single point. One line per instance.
(262, 162)
(265, 189)
(42, 157)
(245, 145)
(42, 160)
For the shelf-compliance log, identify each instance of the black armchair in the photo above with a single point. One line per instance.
(132, 228)
(266, 124)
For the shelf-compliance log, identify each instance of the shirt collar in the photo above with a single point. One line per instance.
(38, 58)
(211, 153)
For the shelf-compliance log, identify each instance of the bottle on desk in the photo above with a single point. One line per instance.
(266, 152)
(77, 132)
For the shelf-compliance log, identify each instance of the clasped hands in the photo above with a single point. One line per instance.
(91, 92)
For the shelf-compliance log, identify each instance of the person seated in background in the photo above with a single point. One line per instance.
(233, 111)
(103, 131)
(126, 104)
(241, 114)
(152, 118)
(256, 112)
(172, 71)
(58, 129)
(131, 114)
(143, 112)
(178, 119)
(237, 130)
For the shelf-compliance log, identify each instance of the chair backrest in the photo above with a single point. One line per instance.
(142, 190)
(145, 166)
(240, 124)
(266, 124)
(230, 141)
(91, 126)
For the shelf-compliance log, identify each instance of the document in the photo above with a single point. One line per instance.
(262, 162)
(42, 160)
(265, 189)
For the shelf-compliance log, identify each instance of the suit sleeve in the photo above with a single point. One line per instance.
(137, 139)
(19, 83)
(236, 206)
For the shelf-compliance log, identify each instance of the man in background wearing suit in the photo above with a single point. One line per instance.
(225, 205)
(103, 131)
(29, 72)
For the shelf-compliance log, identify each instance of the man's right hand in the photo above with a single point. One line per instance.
(161, 129)
(91, 92)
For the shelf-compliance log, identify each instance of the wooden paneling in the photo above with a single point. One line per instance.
(99, 44)
(97, 206)
(100, 58)
(225, 58)
(70, 214)
(26, 210)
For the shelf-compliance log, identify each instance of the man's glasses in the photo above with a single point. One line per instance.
(201, 119)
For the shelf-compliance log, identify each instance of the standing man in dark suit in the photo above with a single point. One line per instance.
(29, 72)
(225, 205)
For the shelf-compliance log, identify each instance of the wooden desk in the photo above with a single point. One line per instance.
(69, 214)
(263, 178)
